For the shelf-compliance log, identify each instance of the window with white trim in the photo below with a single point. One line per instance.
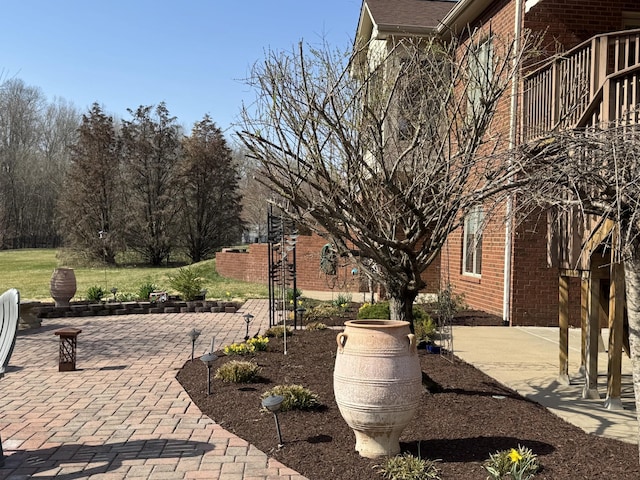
(481, 73)
(472, 242)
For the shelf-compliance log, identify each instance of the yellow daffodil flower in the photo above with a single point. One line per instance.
(515, 456)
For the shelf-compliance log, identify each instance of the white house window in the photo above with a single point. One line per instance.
(472, 242)
(481, 73)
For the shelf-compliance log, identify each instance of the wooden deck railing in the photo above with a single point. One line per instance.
(597, 83)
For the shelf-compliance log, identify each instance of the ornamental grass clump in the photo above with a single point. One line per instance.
(237, 371)
(408, 467)
(322, 311)
(342, 301)
(187, 281)
(146, 289)
(278, 331)
(514, 464)
(296, 397)
(316, 326)
(95, 293)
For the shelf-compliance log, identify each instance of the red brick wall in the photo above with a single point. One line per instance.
(534, 284)
(570, 22)
(249, 266)
(485, 293)
(252, 266)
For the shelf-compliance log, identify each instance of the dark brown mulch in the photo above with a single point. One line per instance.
(465, 416)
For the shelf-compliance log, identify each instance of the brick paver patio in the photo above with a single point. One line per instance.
(122, 414)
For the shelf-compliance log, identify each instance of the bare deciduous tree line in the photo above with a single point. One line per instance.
(101, 186)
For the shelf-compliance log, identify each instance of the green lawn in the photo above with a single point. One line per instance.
(30, 270)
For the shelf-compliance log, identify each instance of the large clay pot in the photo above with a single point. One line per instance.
(63, 286)
(377, 383)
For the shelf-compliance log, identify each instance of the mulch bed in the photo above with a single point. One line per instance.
(464, 416)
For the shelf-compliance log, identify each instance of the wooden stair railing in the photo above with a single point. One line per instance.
(595, 83)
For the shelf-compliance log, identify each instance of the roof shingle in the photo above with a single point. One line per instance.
(409, 13)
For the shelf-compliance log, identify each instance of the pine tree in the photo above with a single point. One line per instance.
(151, 146)
(90, 208)
(211, 205)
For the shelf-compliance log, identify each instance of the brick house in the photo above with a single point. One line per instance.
(513, 272)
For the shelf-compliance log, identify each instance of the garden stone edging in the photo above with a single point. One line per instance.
(86, 309)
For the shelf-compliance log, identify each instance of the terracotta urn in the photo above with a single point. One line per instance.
(377, 383)
(63, 286)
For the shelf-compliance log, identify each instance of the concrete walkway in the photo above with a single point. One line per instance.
(123, 414)
(526, 359)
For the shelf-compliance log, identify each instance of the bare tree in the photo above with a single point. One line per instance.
(34, 137)
(382, 155)
(208, 181)
(91, 213)
(151, 149)
(595, 172)
(255, 196)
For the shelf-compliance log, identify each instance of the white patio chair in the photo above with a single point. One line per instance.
(9, 315)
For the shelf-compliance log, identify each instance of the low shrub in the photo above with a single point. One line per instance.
(381, 310)
(126, 297)
(408, 467)
(424, 328)
(316, 326)
(322, 311)
(278, 331)
(296, 397)
(146, 289)
(95, 293)
(187, 282)
(342, 300)
(378, 310)
(237, 371)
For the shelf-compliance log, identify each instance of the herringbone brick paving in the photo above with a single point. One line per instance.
(123, 414)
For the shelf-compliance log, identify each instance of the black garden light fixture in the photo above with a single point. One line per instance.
(247, 319)
(208, 359)
(273, 403)
(193, 335)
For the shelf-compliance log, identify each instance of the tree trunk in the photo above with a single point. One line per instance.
(632, 287)
(401, 304)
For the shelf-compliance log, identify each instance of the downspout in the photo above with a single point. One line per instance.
(513, 131)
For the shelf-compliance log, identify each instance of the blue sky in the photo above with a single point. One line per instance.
(191, 54)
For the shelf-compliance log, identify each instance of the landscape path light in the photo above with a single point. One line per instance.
(247, 319)
(193, 335)
(273, 403)
(208, 359)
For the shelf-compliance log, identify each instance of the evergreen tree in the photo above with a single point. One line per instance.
(151, 147)
(211, 205)
(90, 210)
